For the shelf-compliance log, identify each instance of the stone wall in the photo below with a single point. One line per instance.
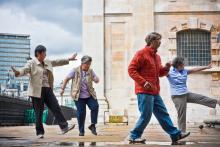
(114, 30)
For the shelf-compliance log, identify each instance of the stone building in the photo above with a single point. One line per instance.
(113, 30)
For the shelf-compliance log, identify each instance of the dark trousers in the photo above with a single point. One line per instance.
(81, 111)
(47, 97)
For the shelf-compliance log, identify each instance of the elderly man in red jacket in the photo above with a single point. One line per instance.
(145, 69)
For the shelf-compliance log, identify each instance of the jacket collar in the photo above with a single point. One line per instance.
(150, 50)
(38, 62)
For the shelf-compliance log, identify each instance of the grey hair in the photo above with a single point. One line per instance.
(178, 61)
(151, 37)
(86, 59)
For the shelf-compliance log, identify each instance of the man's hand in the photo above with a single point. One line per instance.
(73, 57)
(148, 86)
(168, 65)
(15, 71)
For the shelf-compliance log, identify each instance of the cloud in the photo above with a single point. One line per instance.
(47, 22)
(57, 24)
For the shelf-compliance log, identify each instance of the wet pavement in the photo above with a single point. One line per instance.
(109, 135)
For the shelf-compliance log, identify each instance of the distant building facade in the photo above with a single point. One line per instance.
(114, 30)
(14, 51)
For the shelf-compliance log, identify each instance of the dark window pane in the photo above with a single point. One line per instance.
(194, 46)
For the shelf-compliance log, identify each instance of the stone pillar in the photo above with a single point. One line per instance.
(93, 45)
(143, 23)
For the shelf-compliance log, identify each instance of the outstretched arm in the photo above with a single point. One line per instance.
(22, 71)
(164, 70)
(61, 62)
(194, 70)
(66, 80)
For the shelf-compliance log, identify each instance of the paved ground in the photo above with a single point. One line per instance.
(109, 135)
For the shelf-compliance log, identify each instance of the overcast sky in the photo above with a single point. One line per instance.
(57, 24)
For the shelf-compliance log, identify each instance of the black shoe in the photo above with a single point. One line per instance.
(67, 129)
(93, 129)
(81, 134)
(181, 136)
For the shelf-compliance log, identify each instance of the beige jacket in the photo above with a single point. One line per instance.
(35, 70)
(76, 84)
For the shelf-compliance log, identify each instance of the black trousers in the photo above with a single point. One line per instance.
(47, 97)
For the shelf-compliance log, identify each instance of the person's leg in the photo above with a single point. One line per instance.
(38, 105)
(201, 99)
(94, 107)
(145, 105)
(52, 103)
(160, 112)
(81, 114)
(181, 105)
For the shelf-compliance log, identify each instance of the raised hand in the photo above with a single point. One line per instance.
(73, 57)
(209, 66)
(15, 71)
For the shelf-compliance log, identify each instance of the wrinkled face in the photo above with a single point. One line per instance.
(41, 56)
(156, 44)
(180, 67)
(86, 66)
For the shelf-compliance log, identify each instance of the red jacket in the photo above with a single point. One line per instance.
(146, 66)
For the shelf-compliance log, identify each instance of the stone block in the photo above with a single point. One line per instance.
(215, 57)
(215, 45)
(172, 35)
(193, 23)
(215, 91)
(184, 26)
(215, 76)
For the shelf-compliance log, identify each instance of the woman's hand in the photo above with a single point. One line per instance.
(61, 92)
(209, 66)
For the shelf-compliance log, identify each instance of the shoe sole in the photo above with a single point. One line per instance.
(133, 141)
(69, 129)
(92, 132)
(184, 137)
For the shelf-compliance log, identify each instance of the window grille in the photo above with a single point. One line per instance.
(194, 46)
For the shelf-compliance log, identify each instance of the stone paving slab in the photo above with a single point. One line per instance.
(109, 135)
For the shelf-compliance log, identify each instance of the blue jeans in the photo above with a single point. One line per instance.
(81, 111)
(149, 104)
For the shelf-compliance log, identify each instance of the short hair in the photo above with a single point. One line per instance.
(178, 61)
(39, 49)
(86, 59)
(151, 37)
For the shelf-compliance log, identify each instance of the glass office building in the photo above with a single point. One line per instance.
(14, 51)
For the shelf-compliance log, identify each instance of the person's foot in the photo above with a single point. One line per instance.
(178, 143)
(68, 128)
(181, 136)
(93, 129)
(40, 136)
(137, 140)
(81, 134)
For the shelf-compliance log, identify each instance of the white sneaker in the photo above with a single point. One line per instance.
(40, 136)
(67, 129)
(137, 140)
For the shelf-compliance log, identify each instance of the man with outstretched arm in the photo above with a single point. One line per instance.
(40, 89)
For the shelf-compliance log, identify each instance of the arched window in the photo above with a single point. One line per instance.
(194, 46)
